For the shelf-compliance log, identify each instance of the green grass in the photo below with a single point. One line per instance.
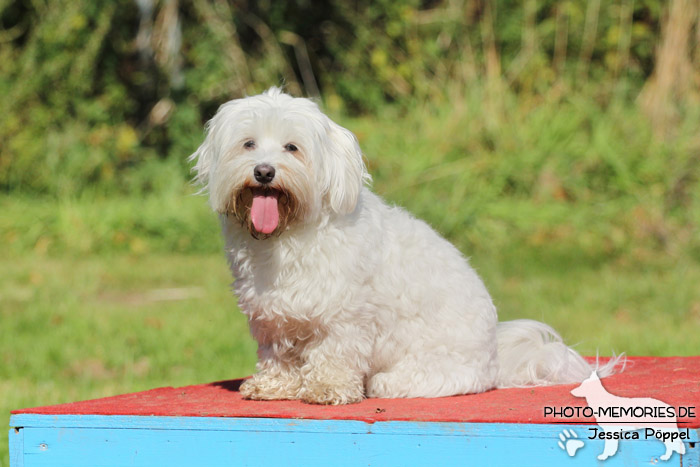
(573, 214)
(78, 326)
(85, 327)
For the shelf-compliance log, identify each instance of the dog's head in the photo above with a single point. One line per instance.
(273, 160)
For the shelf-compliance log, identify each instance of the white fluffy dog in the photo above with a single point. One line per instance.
(347, 296)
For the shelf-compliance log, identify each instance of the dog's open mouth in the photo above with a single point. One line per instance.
(264, 211)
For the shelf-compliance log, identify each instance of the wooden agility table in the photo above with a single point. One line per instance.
(211, 425)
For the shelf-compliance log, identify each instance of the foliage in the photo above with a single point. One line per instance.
(99, 94)
(565, 171)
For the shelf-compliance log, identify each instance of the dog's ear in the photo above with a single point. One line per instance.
(207, 154)
(202, 159)
(344, 169)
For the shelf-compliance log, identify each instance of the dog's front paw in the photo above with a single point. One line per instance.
(318, 392)
(250, 389)
(267, 387)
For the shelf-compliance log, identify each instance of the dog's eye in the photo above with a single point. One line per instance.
(291, 148)
(250, 144)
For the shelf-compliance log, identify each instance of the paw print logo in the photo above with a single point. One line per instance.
(569, 442)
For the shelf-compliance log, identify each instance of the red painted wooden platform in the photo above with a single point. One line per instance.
(674, 380)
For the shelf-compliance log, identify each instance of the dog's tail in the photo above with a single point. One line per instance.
(531, 353)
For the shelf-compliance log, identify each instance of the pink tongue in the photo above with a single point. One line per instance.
(264, 213)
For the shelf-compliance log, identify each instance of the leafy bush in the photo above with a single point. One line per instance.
(98, 94)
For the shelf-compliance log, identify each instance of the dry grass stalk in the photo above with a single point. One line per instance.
(219, 19)
(528, 41)
(561, 37)
(625, 40)
(673, 71)
(589, 34)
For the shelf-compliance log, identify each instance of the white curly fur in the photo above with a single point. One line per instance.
(351, 297)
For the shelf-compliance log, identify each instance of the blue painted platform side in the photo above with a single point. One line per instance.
(16, 439)
(144, 441)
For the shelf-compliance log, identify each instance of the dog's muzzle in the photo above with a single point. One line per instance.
(265, 211)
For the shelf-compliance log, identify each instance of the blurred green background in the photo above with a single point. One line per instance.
(555, 143)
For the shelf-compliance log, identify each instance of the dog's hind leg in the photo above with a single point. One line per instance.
(432, 375)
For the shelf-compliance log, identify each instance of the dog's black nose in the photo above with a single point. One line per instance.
(264, 173)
